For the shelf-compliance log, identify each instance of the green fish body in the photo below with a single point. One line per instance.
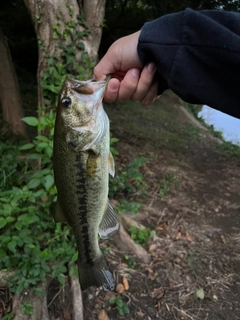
(82, 163)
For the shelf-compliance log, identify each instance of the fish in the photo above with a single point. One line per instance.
(82, 162)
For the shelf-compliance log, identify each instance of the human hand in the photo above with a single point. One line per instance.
(130, 79)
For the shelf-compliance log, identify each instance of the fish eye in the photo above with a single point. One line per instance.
(66, 102)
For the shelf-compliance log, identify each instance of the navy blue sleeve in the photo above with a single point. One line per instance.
(197, 54)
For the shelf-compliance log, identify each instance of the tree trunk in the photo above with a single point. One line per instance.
(55, 21)
(9, 90)
(94, 11)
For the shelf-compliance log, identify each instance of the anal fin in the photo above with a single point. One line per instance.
(109, 223)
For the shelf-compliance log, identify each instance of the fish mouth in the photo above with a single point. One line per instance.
(87, 87)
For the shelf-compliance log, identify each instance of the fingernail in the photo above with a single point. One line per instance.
(151, 67)
(135, 72)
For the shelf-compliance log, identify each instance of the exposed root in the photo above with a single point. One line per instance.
(39, 304)
(76, 299)
(128, 222)
(124, 242)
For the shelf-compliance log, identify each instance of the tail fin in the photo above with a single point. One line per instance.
(98, 275)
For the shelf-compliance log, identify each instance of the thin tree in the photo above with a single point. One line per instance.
(9, 90)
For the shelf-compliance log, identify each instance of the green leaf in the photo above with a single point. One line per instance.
(32, 121)
(49, 151)
(215, 298)
(24, 232)
(42, 138)
(121, 312)
(49, 181)
(61, 279)
(9, 219)
(3, 222)
(112, 300)
(55, 36)
(80, 45)
(200, 294)
(33, 183)
(23, 217)
(40, 292)
(27, 146)
(12, 246)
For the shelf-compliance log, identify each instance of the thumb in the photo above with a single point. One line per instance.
(103, 68)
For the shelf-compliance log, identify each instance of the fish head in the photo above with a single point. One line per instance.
(80, 101)
(80, 109)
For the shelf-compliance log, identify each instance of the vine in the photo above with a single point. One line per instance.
(64, 61)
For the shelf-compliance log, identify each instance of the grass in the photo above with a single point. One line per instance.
(167, 183)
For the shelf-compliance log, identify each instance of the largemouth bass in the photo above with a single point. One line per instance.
(82, 162)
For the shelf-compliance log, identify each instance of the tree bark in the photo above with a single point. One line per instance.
(47, 13)
(9, 90)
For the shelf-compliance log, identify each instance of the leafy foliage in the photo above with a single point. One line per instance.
(31, 243)
(129, 180)
(167, 183)
(125, 206)
(141, 236)
(121, 305)
(26, 308)
(130, 261)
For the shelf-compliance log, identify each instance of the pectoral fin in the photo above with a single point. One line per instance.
(111, 165)
(109, 223)
(58, 214)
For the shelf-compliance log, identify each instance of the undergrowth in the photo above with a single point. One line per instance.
(32, 244)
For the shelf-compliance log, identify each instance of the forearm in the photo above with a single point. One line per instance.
(197, 55)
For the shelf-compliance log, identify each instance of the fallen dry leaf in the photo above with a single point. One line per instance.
(189, 238)
(158, 293)
(120, 288)
(166, 226)
(140, 314)
(160, 228)
(178, 236)
(103, 315)
(152, 247)
(125, 283)
(223, 239)
(159, 305)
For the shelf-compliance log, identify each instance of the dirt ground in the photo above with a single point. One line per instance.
(194, 258)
